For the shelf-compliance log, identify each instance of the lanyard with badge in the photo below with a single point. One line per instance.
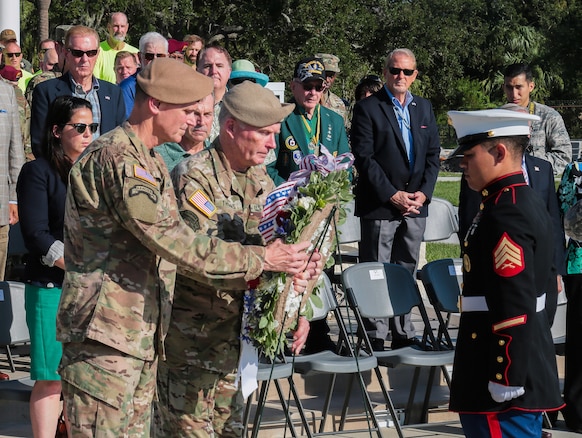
(313, 140)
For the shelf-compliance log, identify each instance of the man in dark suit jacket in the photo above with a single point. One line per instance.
(396, 145)
(81, 49)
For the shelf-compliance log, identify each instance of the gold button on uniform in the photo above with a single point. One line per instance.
(473, 335)
(501, 342)
(498, 376)
(499, 359)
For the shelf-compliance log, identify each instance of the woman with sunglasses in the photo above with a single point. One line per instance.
(41, 189)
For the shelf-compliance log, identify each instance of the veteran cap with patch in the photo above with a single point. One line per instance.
(330, 62)
(256, 106)
(172, 81)
(474, 127)
(309, 68)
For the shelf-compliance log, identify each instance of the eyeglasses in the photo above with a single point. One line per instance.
(82, 127)
(396, 71)
(13, 55)
(309, 87)
(79, 53)
(151, 56)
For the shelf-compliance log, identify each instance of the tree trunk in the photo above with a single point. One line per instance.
(43, 15)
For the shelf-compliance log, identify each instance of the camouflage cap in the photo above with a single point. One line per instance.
(256, 106)
(172, 81)
(7, 35)
(331, 62)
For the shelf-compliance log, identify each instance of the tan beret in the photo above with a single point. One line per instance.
(172, 81)
(255, 105)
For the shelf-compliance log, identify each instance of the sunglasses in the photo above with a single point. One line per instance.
(396, 71)
(79, 53)
(82, 127)
(151, 56)
(309, 87)
(13, 55)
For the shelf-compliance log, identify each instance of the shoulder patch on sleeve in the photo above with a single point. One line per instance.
(508, 257)
(202, 202)
(144, 175)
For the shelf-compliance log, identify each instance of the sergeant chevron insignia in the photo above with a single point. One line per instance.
(508, 257)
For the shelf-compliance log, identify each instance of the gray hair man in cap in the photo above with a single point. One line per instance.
(505, 366)
(221, 192)
(123, 238)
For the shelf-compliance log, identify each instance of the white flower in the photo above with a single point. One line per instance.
(306, 202)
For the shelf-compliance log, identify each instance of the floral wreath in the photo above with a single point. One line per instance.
(307, 207)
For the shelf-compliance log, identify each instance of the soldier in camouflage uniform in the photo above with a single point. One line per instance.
(549, 137)
(24, 117)
(329, 99)
(123, 232)
(221, 192)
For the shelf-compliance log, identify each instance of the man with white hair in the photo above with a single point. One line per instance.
(152, 45)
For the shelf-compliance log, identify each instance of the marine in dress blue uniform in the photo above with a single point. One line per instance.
(505, 372)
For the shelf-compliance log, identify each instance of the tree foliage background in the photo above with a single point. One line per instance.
(462, 46)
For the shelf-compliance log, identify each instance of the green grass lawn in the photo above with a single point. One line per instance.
(437, 251)
(448, 190)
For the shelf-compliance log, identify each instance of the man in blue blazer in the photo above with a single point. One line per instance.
(396, 145)
(81, 49)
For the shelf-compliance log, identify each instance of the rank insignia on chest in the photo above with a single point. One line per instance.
(508, 257)
(144, 175)
(202, 203)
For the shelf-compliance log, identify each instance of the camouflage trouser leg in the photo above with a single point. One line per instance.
(197, 403)
(107, 393)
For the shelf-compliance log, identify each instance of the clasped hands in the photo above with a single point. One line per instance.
(408, 203)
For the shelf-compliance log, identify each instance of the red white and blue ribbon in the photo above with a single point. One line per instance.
(282, 195)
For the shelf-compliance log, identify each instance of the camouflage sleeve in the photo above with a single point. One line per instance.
(558, 148)
(205, 210)
(147, 208)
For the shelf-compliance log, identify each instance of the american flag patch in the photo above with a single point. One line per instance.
(141, 173)
(202, 203)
